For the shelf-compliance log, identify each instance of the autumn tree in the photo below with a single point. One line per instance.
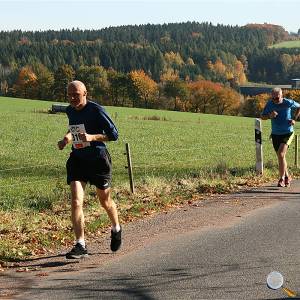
(239, 72)
(44, 82)
(292, 94)
(95, 80)
(219, 67)
(169, 74)
(3, 87)
(177, 90)
(25, 86)
(286, 62)
(253, 106)
(143, 88)
(62, 76)
(203, 95)
(118, 87)
(173, 59)
(227, 101)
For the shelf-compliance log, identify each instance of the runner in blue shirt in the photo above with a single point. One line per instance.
(89, 128)
(279, 110)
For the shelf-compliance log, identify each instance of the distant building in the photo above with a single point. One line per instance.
(254, 90)
(295, 83)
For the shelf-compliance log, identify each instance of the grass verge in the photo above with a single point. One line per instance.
(26, 234)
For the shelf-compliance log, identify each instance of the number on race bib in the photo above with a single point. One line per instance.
(75, 131)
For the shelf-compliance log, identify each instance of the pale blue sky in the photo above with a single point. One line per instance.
(96, 14)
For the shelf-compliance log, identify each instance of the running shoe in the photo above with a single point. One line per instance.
(78, 251)
(287, 181)
(116, 240)
(281, 183)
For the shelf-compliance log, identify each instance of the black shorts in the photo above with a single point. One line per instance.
(281, 139)
(96, 170)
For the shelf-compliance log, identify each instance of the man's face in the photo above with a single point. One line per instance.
(277, 97)
(77, 96)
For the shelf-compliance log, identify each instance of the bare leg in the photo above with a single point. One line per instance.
(282, 164)
(77, 195)
(109, 205)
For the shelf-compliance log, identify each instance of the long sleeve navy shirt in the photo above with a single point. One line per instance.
(92, 119)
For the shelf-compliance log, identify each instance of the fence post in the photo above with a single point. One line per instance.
(129, 167)
(296, 150)
(258, 144)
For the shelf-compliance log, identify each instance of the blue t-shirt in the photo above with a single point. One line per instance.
(280, 124)
(92, 119)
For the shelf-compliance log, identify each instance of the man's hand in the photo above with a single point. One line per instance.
(86, 137)
(292, 122)
(62, 143)
(273, 114)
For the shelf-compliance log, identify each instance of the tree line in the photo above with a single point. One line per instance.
(133, 89)
(182, 66)
(189, 48)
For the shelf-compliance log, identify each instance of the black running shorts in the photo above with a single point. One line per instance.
(282, 139)
(96, 170)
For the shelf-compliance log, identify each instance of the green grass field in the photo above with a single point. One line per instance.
(287, 44)
(32, 169)
(176, 156)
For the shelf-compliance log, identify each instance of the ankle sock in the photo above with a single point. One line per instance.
(116, 228)
(81, 242)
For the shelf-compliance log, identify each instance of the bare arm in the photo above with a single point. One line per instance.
(66, 140)
(297, 114)
(93, 137)
(264, 117)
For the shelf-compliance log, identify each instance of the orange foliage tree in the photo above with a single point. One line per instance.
(26, 83)
(143, 87)
(210, 97)
(227, 102)
(292, 94)
(235, 73)
(253, 106)
(202, 95)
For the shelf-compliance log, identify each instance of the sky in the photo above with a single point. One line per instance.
(96, 14)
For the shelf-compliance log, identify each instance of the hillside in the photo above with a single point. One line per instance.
(188, 48)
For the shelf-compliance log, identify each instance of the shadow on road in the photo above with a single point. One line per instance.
(186, 282)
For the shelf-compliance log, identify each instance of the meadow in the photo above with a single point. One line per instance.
(163, 144)
(287, 44)
(176, 156)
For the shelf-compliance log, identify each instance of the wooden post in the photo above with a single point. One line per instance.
(296, 150)
(258, 144)
(129, 167)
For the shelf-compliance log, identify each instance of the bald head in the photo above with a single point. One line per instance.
(78, 84)
(77, 94)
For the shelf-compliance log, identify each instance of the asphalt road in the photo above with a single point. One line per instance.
(215, 263)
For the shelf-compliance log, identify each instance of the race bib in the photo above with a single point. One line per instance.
(77, 142)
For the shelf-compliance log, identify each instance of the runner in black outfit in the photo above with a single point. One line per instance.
(89, 127)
